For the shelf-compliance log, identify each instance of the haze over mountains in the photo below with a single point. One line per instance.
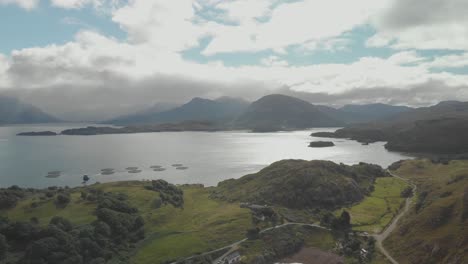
(12, 111)
(198, 109)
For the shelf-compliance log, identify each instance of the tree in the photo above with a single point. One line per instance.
(253, 233)
(63, 199)
(85, 179)
(61, 223)
(345, 220)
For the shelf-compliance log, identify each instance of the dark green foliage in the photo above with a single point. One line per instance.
(62, 199)
(55, 246)
(115, 202)
(3, 246)
(85, 178)
(407, 192)
(352, 245)
(396, 165)
(302, 184)
(61, 223)
(107, 240)
(168, 193)
(420, 201)
(9, 197)
(253, 233)
(279, 243)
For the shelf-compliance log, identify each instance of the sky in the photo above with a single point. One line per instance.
(96, 59)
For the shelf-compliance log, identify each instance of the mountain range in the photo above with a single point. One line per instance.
(223, 109)
(269, 113)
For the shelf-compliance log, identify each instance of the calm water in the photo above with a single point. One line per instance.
(211, 157)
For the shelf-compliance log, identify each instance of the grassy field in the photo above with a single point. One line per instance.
(378, 209)
(202, 224)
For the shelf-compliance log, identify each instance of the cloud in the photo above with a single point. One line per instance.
(26, 4)
(449, 61)
(428, 24)
(424, 94)
(94, 76)
(289, 24)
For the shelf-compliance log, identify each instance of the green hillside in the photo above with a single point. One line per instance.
(303, 184)
(436, 228)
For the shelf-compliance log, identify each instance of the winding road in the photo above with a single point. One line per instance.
(378, 237)
(391, 227)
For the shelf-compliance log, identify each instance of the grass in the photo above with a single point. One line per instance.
(416, 234)
(377, 210)
(203, 224)
(78, 212)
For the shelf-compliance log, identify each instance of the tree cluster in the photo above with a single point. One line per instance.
(106, 240)
(168, 193)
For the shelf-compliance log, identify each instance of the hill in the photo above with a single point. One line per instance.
(443, 136)
(435, 229)
(353, 114)
(436, 129)
(280, 112)
(371, 112)
(221, 110)
(302, 184)
(12, 111)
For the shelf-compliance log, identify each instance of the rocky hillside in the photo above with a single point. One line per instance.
(302, 184)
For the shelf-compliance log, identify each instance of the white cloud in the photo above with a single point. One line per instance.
(406, 57)
(150, 60)
(273, 61)
(26, 4)
(428, 24)
(4, 66)
(165, 24)
(291, 23)
(449, 61)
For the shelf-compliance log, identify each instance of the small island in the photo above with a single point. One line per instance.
(324, 134)
(321, 144)
(41, 133)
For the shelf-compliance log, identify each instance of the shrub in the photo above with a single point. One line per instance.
(407, 192)
(63, 199)
(61, 223)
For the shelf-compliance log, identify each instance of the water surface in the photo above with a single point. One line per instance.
(210, 157)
